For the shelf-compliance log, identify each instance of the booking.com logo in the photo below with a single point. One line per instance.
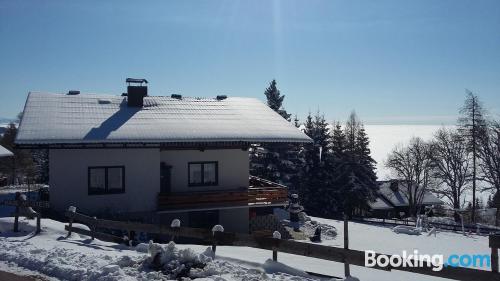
(437, 262)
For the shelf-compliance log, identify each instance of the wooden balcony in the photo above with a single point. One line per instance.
(259, 193)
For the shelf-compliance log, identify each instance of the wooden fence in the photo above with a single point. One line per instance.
(444, 226)
(342, 255)
(22, 210)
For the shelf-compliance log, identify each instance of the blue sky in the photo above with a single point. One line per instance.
(394, 62)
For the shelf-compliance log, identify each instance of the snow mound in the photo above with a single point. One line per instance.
(410, 230)
(274, 267)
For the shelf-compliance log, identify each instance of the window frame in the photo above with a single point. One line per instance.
(93, 191)
(203, 173)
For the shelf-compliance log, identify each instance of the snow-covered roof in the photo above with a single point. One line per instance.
(90, 119)
(4, 152)
(380, 204)
(397, 197)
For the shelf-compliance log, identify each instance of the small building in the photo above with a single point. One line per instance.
(392, 201)
(156, 157)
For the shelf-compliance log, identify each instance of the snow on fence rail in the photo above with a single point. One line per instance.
(274, 244)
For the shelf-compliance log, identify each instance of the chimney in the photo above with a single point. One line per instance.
(136, 91)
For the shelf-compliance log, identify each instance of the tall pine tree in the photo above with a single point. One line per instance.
(275, 100)
(355, 177)
(276, 161)
(316, 190)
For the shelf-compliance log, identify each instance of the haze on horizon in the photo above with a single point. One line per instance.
(394, 62)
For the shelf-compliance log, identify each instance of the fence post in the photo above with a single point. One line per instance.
(175, 226)
(277, 237)
(38, 223)
(494, 260)
(16, 219)
(216, 228)
(346, 246)
(72, 210)
(93, 227)
(494, 244)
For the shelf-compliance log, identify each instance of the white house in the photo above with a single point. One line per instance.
(156, 156)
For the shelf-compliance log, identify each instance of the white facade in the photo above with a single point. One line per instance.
(69, 180)
(233, 167)
(68, 173)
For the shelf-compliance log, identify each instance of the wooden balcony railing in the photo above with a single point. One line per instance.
(259, 193)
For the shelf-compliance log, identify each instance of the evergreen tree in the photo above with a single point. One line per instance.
(355, 177)
(338, 141)
(296, 121)
(21, 164)
(315, 187)
(363, 153)
(276, 161)
(275, 100)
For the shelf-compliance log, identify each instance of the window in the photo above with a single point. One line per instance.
(106, 180)
(203, 173)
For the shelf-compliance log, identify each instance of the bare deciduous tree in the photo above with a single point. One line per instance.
(490, 157)
(472, 125)
(452, 166)
(490, 163)
(413, 165)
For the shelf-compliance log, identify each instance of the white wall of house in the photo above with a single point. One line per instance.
(233, 167)
(69, 180)
(68, 169)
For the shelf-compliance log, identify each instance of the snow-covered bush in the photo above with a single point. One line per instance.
(177, 263)
(303, 217)
(327, 231)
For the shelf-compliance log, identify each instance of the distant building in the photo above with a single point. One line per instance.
(155, 156)
(392, 201)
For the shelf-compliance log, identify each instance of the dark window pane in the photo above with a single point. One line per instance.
(195, 176)
(209, 173)
(97, 179)
(115, 178)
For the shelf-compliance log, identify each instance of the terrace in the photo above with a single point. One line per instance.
(260, 193)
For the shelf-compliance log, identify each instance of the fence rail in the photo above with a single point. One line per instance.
(348, 256)
(22, 209)
(444, 226)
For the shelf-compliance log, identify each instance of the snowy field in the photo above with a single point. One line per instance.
(79, 258)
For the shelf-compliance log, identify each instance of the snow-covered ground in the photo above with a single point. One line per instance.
(79, 258)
